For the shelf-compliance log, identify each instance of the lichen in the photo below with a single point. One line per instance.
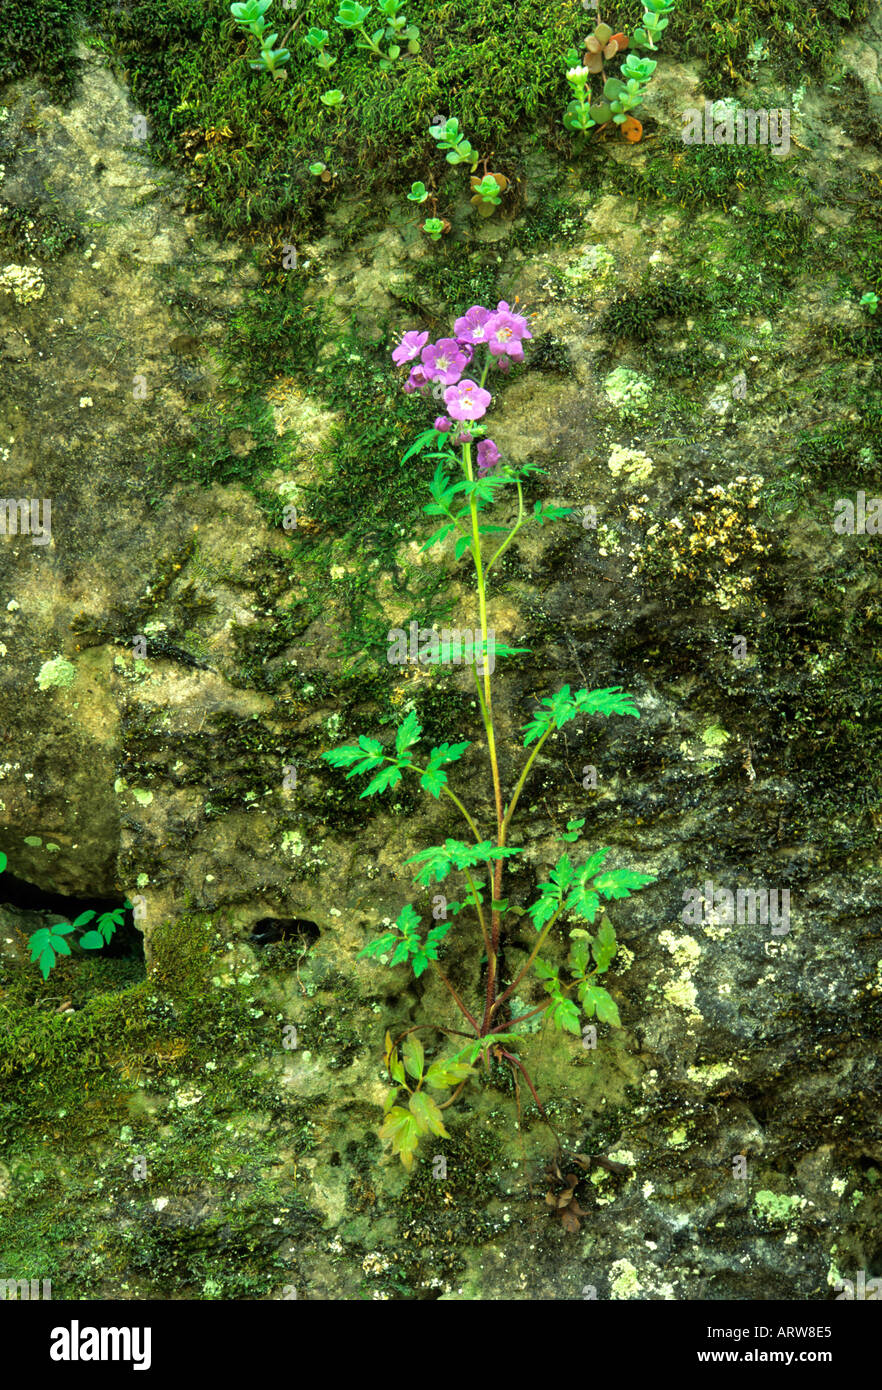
(628, 391)
(632, 464)
(57, 674)
(24, 282)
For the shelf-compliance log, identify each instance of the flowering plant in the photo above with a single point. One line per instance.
(469, 478)
(620, 95)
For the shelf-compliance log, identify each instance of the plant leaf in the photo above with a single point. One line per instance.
(389, 777)
(401, 1131)
(427, 1115)
(593, 997)
(414, 1055)
(408, 734)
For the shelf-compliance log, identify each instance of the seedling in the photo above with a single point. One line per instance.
(447, 136)
(48, 943)
(251, 16)
(488, 193)
(317, 40)
(351, 15)
(435, 227)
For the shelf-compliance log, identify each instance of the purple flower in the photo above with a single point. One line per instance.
(488, 456)
(409, 347)
(443, 425)
(444, 361)
(470, 328)
(464, 438)
(503, 308)
(467, 400)
(504, 334)
(417, 380)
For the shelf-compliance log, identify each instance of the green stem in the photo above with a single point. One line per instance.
(533, 954)
(371, 45)
(511, 535)
(412, 767)
(479, 911)
(486, 699)
(523, 777)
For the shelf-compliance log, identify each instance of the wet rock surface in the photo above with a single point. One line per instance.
(676, 362)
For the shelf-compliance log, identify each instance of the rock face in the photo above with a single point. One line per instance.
(178, 653)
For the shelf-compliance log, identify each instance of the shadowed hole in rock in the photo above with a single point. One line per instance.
(127, 942)
(270, 929)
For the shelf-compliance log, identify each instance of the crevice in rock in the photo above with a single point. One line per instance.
(270, 929)
(127, 941)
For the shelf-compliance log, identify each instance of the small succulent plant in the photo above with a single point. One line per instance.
(448, 136)
(251, 16)
(435, 227)
(622, 94)
(487, 193)
(602, 44)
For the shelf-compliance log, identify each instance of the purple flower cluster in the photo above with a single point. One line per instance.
(501, 331)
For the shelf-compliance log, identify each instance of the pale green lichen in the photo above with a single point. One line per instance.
(594, 269)
(23, 282)
(709, 1075)
(57, 674)
(631, 465)
(686, 952)
(628, 391)
(623, 1280)
(714, 736)
(777, 1206)
(293, 843)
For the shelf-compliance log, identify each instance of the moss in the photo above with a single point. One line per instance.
(637, 315)
(456, 277)
(39, 35)
(722, 33)
(189, 71)
(31, 230)
(702, 176)
(553, 219)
